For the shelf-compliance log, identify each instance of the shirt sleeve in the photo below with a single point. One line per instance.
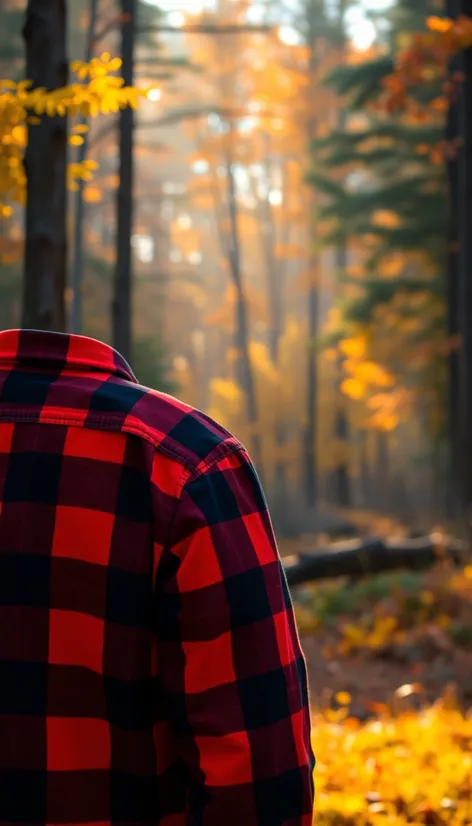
(229, 656)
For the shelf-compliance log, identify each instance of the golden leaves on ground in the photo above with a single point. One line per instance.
(409, 768)
(404, 767)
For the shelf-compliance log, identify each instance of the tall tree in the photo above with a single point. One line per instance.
(319, 32)
(122, 300)
(452, 283)
(464, 296)
(45, 265)
(342, 484)
(78, 252)
(309, 452)
(391, 205)
(245, 372)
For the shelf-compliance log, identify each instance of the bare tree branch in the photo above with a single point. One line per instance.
(205, 28)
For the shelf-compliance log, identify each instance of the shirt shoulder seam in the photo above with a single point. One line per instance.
(189, 467)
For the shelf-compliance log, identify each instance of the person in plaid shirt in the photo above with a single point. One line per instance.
(150, 669)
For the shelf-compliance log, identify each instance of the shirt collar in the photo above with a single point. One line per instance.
(61, 351)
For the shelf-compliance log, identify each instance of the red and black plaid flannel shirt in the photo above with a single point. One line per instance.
(150, 670)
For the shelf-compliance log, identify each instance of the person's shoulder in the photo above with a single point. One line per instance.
(175, 428)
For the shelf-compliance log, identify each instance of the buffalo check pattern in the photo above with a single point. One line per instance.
(150, 669)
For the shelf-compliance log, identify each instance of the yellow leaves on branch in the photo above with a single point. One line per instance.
(364, 378)
(80, 172)
(353, 347)
(96, 90)
(427, 58)
(387, 409)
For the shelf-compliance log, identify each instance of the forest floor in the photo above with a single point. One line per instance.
(371, 637)
(390, 669)
(373, 679)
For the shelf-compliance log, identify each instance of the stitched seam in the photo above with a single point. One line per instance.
(100, 423)
(221, 451)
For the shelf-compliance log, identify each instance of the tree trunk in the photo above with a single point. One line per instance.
(342, 482)
(273, 264)
(366, 557)
(309, 437)
(122, 301)
(465, 273)
(275, 282)
(364, 470)
(245, 373)
(382, 472)
(309, 453)
(78, 259)
(453, 494)
(45, 264)
(342, 479)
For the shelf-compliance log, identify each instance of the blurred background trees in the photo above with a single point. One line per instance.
(279, 231)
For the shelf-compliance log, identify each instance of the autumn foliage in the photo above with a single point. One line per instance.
(427, 59)
(410, 763)
(95, 89)
(399, 769)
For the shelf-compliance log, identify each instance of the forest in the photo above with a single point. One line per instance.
(266, 207)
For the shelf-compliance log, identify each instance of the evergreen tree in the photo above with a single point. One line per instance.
(385, 193)
(394, 194)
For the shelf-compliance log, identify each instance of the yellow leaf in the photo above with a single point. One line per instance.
(76, 140)
(343, 698)
(353, 388)
(439, 24)
(81, 128)
(369, 372)
(353, 634)
(20, 135)
(353, 347)
(92, 195)
(115, 65)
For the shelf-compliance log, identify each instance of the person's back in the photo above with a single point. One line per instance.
(150, 671)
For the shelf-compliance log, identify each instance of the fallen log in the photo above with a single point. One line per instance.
(365, 557)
